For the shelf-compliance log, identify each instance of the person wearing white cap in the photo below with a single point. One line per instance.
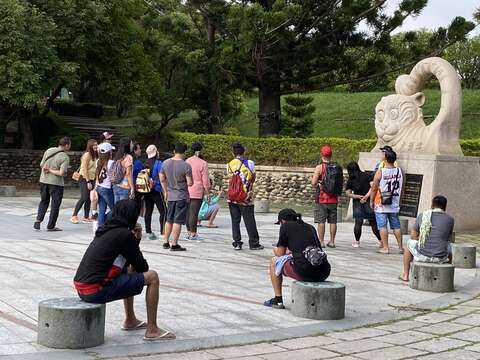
(155, 196)
(103, 183)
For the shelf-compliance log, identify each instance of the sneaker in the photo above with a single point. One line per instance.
(177, 248)
(195, 238)
(166, 245)
(237, 246)
(257, 247)
(55, 229)
(36, 225)
(274, 304)
(152, 236)
(356, 244)
(186, 237)
(94, 217)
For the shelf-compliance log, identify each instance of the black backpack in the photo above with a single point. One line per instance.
(332, 182)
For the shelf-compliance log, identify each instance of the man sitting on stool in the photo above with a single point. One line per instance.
(289, 260)
(430, 237)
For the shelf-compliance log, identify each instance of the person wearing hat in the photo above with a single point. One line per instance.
(199, 189)
(381, 164)
(103, 184)
(294, 238)
(155, 196)
(105, 137)
(326, 204)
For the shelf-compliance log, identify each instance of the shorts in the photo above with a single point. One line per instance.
(383, 218)
(124, 286)
(362, 211)
(325, 212)
(412, 246)
(177, 212)
(289, 270)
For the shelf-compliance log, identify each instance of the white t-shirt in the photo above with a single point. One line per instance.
(391, 180)
(106, 183)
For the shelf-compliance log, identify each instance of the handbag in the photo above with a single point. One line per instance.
(387, 196)
(314, 255)
(76, 175)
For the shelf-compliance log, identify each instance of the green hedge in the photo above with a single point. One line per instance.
(290, 151)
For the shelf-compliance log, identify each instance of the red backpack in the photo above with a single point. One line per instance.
(236, 190)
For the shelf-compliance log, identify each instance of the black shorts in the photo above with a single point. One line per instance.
(177, 212)
(124, 286)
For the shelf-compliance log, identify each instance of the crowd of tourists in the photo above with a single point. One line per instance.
(115, 189)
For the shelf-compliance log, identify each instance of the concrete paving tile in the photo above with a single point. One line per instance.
(435, 317)
(194, 355)
(302, 354)
(357, 334)
(443, 328)
(475, 303)
(306, 342)
(459, 310)
(472, 334)
(471, 319)
(356, 346)
(437, 345)
(400, 325)
(392, 353)
(247, 350)
(475, 347)
(404, 337)
(460, 354)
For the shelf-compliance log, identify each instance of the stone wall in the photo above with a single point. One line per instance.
(24, 166)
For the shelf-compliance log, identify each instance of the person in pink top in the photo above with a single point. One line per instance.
(200, 187)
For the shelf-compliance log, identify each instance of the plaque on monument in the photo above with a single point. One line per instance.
(411, 195)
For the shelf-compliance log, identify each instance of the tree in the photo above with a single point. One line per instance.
(285, 47)
(297, 120)
(465, 57)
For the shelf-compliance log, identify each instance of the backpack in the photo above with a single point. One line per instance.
(116, 173)
(237, 192)
(332, 182)
(142, 185)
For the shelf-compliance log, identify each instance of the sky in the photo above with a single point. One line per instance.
(438, 13)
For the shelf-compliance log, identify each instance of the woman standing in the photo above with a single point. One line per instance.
(87, 181)
(155, 196)
(126, 188)
(358, 189)
(200, 187)
(104, 185)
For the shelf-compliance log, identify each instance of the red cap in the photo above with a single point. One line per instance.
(326, 151)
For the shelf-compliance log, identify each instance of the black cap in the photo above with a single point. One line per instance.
(386, 148)
(286, 214)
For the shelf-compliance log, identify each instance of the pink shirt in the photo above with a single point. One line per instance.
(201, 181)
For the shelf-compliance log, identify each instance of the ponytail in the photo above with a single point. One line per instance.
(298, 218)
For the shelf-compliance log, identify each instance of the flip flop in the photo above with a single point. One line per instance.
(141, 325)
(211, 226)
(384, 252)
(167, 335)
(331, 245)
(400, 278)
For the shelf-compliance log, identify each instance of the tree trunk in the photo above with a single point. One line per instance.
(25, 126)
(53, 96)
(214, 121)
(269, 110)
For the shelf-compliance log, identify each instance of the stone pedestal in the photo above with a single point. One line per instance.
(69, 323)
(262, 206)
(432, 277)
(453, 176)
(319, 301)
(464, 256)
(404, 226)
(8, 190)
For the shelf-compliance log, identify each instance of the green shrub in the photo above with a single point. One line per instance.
(69, 108)
(291, 151)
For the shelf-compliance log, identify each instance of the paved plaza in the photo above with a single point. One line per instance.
(211, 296)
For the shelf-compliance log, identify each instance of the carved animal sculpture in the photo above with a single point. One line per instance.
(399, 118)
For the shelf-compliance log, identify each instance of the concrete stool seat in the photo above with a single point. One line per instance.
(318, 300)
(70, 323)
(432, 277)
(464, 256)
(8, 190)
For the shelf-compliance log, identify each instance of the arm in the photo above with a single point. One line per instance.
(374, 189)
(189, 180)
(414, 234)
(84, 165)
(280, 250)
(351, 195)
(133, 254)
(188, 175)
(316, 175)
(163, 181)
(206, 180)
(59, 172)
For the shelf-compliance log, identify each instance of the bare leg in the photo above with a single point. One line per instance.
(321, 233)
(212, 217)
(176, 230)
(333, 233)
(276, 280)
(130, 319)
(407, 259)
(398, 235)
(384, 236)
(168, 231)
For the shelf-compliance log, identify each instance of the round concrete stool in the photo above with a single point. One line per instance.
(464, 256)
(432, 277)
(70, 323)
(262, 206)
(404, 226)
(7, 190)
(319, 300)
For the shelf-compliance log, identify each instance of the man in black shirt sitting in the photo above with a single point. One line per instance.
(113, 268)
(290, 260)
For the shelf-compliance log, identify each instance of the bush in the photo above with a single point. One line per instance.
(291, 151)
(69, 108)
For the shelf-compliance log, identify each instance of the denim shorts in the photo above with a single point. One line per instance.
(383, 218)
(124, 286)
(120, 193)
(177, 212)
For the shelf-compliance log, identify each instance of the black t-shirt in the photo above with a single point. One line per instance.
(297, 237)
(360, 185)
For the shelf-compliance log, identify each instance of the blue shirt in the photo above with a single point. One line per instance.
(155, 175)
(137, 167)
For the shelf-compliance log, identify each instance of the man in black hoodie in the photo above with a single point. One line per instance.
(113, 268)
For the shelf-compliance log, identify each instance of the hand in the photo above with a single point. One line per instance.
(372, 204)
(132, 194)
(137, 231)
(165, 195)
(46, 169)
(89, 186)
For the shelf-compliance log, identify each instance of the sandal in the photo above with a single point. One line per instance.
(74, 220)
(167, 335)
(330, 245)
(402, 279)
(141, 325)
(384, 252)
(211, 226)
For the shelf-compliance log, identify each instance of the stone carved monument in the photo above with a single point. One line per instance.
(430, 150)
